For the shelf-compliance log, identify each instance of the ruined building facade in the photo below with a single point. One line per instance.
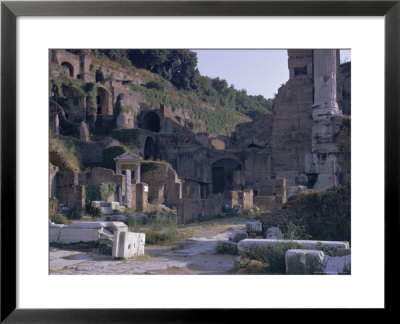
(295, 145)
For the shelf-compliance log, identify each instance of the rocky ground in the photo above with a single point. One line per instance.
(195, 255)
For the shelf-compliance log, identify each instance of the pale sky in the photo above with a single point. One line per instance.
(257, 71)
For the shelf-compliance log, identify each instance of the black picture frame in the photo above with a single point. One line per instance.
(10, 10)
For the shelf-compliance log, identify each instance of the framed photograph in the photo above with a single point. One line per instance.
(136, 146)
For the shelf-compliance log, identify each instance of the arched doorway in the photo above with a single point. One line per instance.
(151, 122)
(99, 76)
(69, 67)
(149, 149)
(103, 102)
(222, 174)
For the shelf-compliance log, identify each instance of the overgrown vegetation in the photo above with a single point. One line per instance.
(64, 154)
(98, 192)
(59, 219)
(178, 74)
(325, 214)
(125, 136)
(109, 154)
(147, 166)
(53, 205)
(344, 158)
(216, 120)
(163, 228)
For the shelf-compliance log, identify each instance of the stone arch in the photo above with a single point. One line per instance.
(222, 174)
(149, 148)
(70, 68)
(151, 122)
(104, 101)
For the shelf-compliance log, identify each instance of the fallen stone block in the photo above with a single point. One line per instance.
(114, 205)
(86, 225)
(116, 218)
(337, 265)
(116, 226)
(261, 246)
(343, 252)
(106, 210)
(304, 261)
(238, 236)
(74, 235)
(127, 245)
(95, 204)
(254, 227)
(273, 233)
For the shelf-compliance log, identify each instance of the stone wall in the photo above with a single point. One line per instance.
(100, 175)
(292, 119)
(190, 210)
(164, 185)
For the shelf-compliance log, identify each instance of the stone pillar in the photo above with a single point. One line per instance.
(327, 120)
(138, 173)
(142, 191)
(120, 195)
(83, 132)
(128, 189)
(325, 80)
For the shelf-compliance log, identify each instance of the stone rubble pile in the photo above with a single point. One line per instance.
(108, 208)
(125, 244)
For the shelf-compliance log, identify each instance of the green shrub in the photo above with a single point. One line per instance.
(227, 249)
(163, 228)
(276, 257)
(67, 127)
(160, 85)
(101, 191)
(147, 166)
(109, 154)
(325, 215)
(59, 219)
(125, 136)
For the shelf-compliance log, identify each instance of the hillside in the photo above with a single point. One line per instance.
(213, 107)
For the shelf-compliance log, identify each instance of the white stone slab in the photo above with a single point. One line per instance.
(87, 225)
(127, 244)
(73, 235)
(54, 234)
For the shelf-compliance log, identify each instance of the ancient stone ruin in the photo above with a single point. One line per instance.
(262, 164)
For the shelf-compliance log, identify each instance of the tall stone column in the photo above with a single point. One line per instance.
(128, 189)
(325, 67)
(327, 120)
(138, 173)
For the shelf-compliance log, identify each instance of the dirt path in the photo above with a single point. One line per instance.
(193, 256)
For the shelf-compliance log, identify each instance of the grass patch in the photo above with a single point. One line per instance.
(59, 219)
(162, 229)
